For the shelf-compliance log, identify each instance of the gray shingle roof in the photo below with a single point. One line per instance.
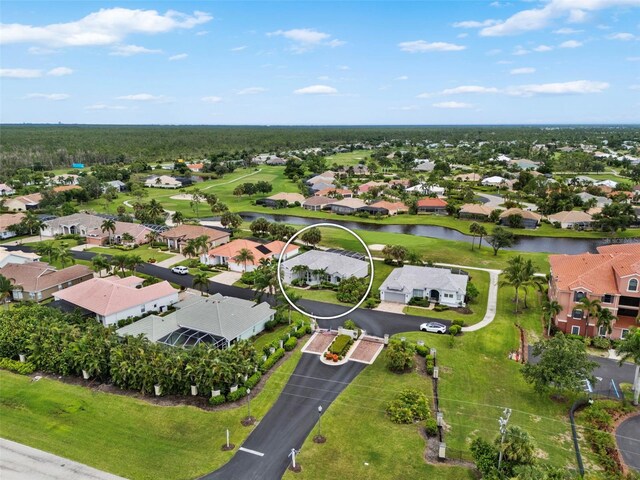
(411, 277)
(334, 262)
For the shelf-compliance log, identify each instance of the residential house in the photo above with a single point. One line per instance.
(432, 205)
(215, 320)
(324, 177)
(439, 285)
(75, 224)
(266, 158)
(7, 220)
(468, 177)
(575, 219)
(334, 192)
(117, 184)
(113, 298)
(282, 197)
(365, 187)
(65, 188)
(611, 276)
(495, 181)
(424, 167)
(276, 161)
(524, 163)
(68, 179)
(38, 281)
(6, 190)
(473, 211)
(322, 266)
(606, 183)
(23, 203)
(162, 181)
(346, 206)
(177, 237)
(317, 203)
(529, 219)
(426, 189)
(383, 207)
(196, 167)
(139, 233)
(357, 170)
(226, 254)
(600, 201)
(322, 187)
(17, 257)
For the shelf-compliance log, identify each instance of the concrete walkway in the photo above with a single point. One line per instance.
(19, 462)
(177, 258)
(227, 278)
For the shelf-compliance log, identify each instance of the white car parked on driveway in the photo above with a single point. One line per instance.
(180, 270)
(433, 327)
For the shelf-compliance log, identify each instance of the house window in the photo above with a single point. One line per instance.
(575, 330)
(577, 313)
(624, 333)
(448, 295)
(418, 293)
(602, 331)
(578, 296)
(143, 309)
(633, 285)
(607, 298)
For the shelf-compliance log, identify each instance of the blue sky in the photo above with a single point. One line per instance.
(454, 62)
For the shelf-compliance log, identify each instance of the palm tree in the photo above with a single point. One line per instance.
(6, 287)
(513, 276)
(605, 319)
(300, 271)
(127, 238)
(319, 273)
(120, 261)
(109, 227)
(481, 232)
(65, 257)
(201, 281)
(414, 258)
(178, 218)
(473, 228)
(190, 249)
(629, 349)
(530, 279)
(152, 236)
(32, 223)
(46, 249)
(134, 261)
(244, 256)
(99, 263)
(202, 244)
(591, 307)
(550, 310)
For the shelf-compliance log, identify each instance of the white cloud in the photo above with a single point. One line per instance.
(624, 36)
(316, 90)
(251, 91)
(107, 26)
(425, 95)
(452, 105)
(564, 88)
(542, 48)
(180, 56)
(406, 108)
(102, 106)
(211, 99)
(305, 39)
(539, 18)
(474, 24)
(20, 73)
(567, 31)
(519, 50)
(142, 97)
(41, 51)
(238, 49)
(570, 44)
(402, 77)
(59, 71)
(130, 50)
(469, 89)
(522, 71)
(419, 46)
(49, 96)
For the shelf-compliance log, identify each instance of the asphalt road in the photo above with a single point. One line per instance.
(289, 421)
(628, 438)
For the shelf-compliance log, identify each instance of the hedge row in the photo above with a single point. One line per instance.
(341, 344)
(430, 363)
(290, 344)
(271, 361)
(22, 368)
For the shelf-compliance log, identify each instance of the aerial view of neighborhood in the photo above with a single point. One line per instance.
(272, 240)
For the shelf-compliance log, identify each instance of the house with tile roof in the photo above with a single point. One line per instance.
(439, 285)
(346, 206)
(282, 197)
(113, 298)
(225, 254)
(529, 219)
(317, 203)
(6, 221)
(474, 211)
(611, 276)
(162, 181)
(432, 205)
(214, 320)
(24, 202)
(16, 256)
(324, 177)
(575, 219)
(383, 207)
(37, 281)
(6, 190)
(334, 192)
(323, 266)
(177, 237)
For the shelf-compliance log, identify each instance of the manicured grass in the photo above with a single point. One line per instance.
(481, 280)
(65, 242)
(267, 337)
(349, 158)
(322, 295)
(144, 251)
(123, 435)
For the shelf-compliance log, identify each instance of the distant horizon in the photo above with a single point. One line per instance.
(319, 125)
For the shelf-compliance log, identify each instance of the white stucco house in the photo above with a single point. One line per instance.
(439, 285)
(316, 266)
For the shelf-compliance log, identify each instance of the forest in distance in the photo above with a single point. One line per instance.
(57, 146)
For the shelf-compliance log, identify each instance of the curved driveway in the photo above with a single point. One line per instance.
(628, 438)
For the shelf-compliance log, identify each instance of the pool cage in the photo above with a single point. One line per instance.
(187, 337)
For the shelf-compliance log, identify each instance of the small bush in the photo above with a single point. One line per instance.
(601, 343)
(458, 322)
(217, 400)
(271, 361)
(422, 350)
(371, 303)
(410, 406)
(455, 330)
(290, 344)
(16, 366)
(253, 380)
(350, 325)
(419, 302)
(270, 325)
(341, 344)
(429, 364)
(440, 308)
(431, 427)
(237, 395)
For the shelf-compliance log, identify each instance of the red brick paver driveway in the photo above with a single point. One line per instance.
(366, 351)
(320, 342)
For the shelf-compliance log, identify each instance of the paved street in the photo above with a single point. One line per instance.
(628, 438)
(19, 462)
(290, 420)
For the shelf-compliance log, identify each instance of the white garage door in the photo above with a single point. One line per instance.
(394, 297)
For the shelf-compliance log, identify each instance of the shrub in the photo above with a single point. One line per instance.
(15, 366)
(431, 427)
(270, 325)
(350, 325)
(237, 395)
(455, 329)
(217, 400)
(352, 289)
(341, 344)
(601, 343)
(422, 350)
(253, 380)
(458, 322)
(419, 302)
(290, 344)
(400, 356)
(371, 303)
(271, 361)
(410, 406)
(471, 293)
(440, 308)
(429, 363)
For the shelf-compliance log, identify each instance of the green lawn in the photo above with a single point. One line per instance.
(481, 280)
(323, 295)
(123, 435)
(349, 158)
(144, 251)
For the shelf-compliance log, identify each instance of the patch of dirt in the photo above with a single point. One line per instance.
(430, 454)
(541, 454)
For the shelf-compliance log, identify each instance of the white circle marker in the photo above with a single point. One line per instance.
(334, 225)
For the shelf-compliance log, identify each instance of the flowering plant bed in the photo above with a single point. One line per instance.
(341, 345)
